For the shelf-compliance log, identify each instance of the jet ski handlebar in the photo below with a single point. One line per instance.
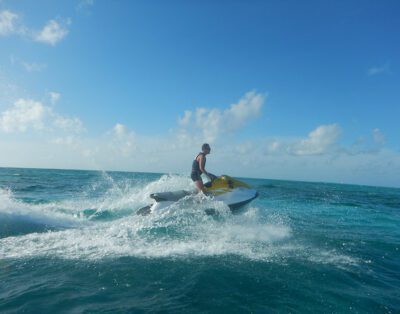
(212, 176)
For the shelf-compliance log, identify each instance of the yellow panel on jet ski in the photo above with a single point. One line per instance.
(224, 184)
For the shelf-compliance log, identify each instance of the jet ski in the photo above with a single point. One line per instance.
(232, 192)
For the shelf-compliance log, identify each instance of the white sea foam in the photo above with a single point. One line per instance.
(38, 213)
(117, 197)
(332, 257)
(180, 231)
(125, 195)
(144, 237)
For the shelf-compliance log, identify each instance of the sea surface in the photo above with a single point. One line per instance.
(71, 242)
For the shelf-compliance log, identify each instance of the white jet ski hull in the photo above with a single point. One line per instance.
(232, 192)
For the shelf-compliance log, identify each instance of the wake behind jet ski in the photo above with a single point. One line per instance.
(232, 192)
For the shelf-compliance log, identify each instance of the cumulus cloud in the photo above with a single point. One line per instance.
(70, 125)
(29, 114)
(122, 140)
(248, 107)
(309, 158)
(371, 144)
(212, 122)
(119, 130)
(186, 118)
(323, 140)
(319, 141)
(25, 114)
(52, 33)
(121, 148)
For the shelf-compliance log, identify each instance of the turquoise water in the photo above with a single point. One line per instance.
(70, 242)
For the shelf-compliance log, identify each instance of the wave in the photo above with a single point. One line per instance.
(105, 225)
(19, 217)
(171, 233)
(104, 198)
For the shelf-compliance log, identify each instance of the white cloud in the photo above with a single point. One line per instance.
(244, 148)
(382, 168)
(274, 147)
(319, 141)
(323, 140)
(52, 33)
(60, 143)
(69, 143)
(68, 140)
(212, 122)
(8, 23)
(54, 97)
(84, 4)
(25, 114)
(209, 121)
(378, 137)
(372, 144)
(28, 114)
(375, 70)
(70, 125)
(122, 140)
(33, 67)
(120, 130)
(248, 107)
(10, 90)
(186, 118)
(28, 66)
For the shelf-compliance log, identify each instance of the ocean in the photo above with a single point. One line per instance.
(71, 242)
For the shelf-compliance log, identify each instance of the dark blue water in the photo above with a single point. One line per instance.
(70, 241)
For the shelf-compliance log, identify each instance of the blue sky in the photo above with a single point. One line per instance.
(281, 89)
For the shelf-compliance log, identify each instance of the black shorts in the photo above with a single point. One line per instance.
(196, 176)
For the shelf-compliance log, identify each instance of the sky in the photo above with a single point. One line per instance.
(293, 90)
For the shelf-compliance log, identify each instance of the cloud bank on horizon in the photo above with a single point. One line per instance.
(53, 140)
(36, 131)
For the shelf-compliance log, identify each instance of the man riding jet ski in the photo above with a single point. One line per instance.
(232, 192)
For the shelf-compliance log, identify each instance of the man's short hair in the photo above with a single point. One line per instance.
(205, 146)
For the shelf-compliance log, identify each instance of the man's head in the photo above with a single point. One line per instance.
(206, 148)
